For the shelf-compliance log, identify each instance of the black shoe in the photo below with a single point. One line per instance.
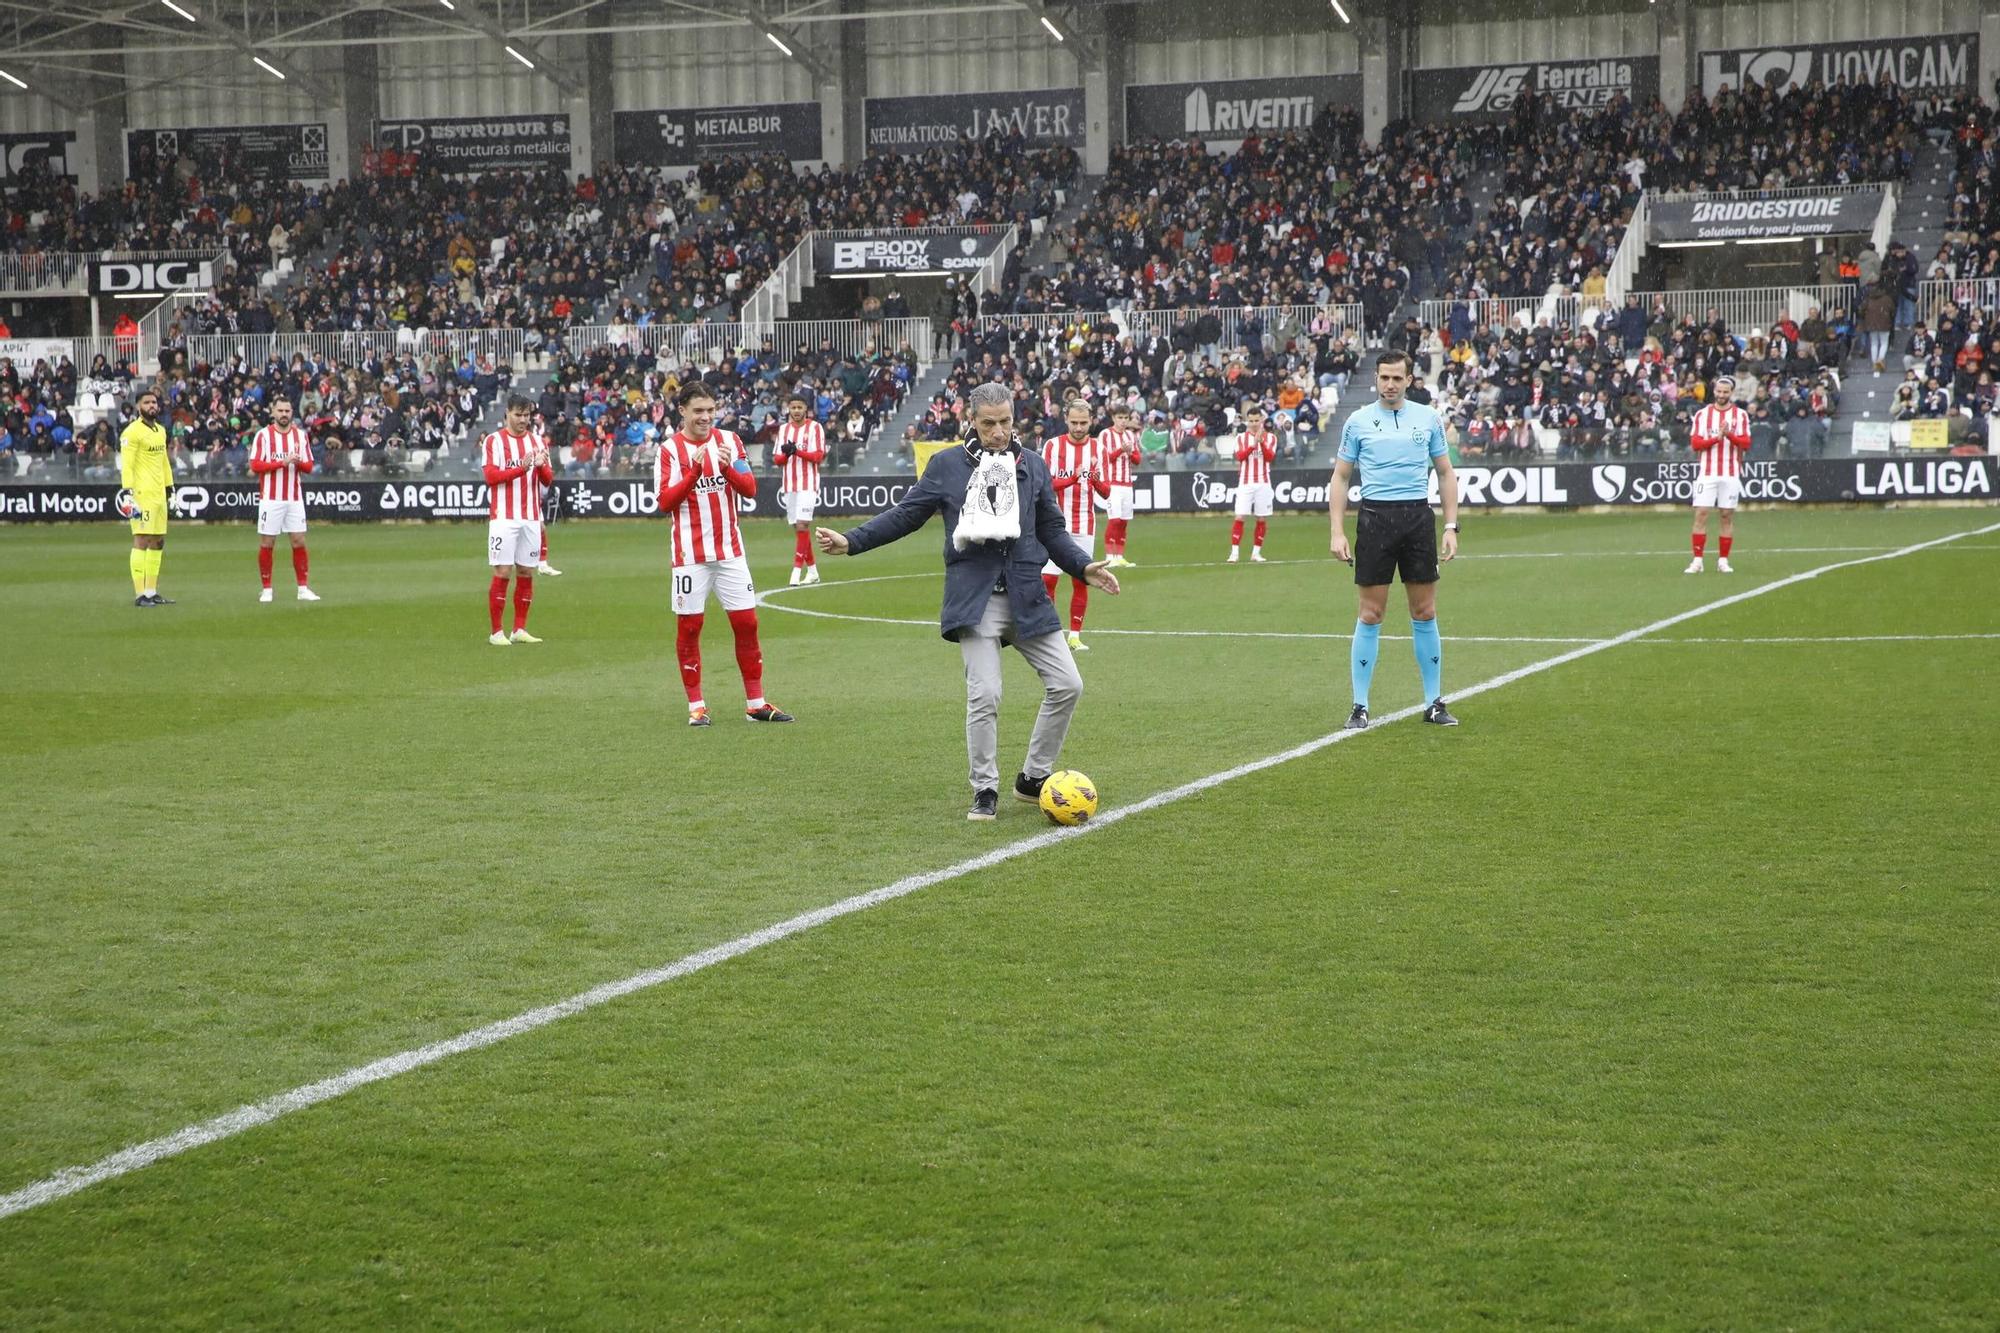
(1438, 715)
(1028, 789)
(985, 806)
(768, 713)
(1358, 719)
(142, 600)
(162, 601)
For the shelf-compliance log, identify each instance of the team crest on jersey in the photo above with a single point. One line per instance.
(993, 493)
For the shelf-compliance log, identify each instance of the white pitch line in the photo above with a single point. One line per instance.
(71, 1180)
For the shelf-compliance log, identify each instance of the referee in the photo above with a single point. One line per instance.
(1396, 443)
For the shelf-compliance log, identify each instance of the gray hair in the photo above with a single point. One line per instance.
(990, 394)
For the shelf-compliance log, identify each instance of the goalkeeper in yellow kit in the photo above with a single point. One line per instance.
(147, 474)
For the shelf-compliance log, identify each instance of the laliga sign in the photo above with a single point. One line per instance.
(117, 277)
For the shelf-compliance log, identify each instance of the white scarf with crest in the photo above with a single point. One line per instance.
(992, 510)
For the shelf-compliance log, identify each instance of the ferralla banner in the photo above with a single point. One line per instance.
(1751, 216)
(1631, 482)
(861, 255)
(1946, 63)
(1491, 92)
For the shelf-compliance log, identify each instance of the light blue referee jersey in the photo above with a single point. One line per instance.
(1394, 449)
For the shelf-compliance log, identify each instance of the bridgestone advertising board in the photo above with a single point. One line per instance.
(1935, 64)
(45, 150)
(683, 136)
(894, 252)
(1201, 491)
(1749, 217)
(460, 144)
(1491, 92)
(1044, 117)
(268, 152)
(1231, 110)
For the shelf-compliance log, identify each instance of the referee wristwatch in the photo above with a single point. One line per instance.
(1451, 527)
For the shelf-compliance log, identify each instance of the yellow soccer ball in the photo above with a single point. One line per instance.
(1068, 797)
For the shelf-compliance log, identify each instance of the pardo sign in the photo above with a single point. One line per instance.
(118, 277)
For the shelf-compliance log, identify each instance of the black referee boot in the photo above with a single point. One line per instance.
(1438, 715)
(1358, 719)
(985, 806)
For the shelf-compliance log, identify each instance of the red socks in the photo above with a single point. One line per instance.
(1050, 581)
(1236, 533)
(1114, 537)
(545, 543)
(687, 647)
(524, 593)
(496, 599)
(749, 655)
(1079, 598)
(1724, 543)
(1700, 544)
(802, 551)
(1257, 538)
(264, 565)
(298, 565)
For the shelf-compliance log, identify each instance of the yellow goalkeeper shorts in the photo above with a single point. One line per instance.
(152, 520)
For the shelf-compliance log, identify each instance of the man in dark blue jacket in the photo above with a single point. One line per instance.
(997, 536)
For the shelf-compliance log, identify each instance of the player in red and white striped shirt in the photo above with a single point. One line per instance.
(800, 449)
(1255, 448)
(1077, 475)
(1720, 438)
(517, 466)
(278, 455)
(700, 471)
(1118, 450)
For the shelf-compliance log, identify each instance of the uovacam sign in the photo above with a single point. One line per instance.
(1491, 92)
(899, 252)
(1749, 217)
(1937, 64)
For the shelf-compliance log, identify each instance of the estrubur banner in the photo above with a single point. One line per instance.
(459, 144)
(684, 136)
(267, 152)
(1630, 482)
(1940, 63)
(1751, 216)
(1491, 92)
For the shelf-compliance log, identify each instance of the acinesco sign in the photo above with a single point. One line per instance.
(118, 277)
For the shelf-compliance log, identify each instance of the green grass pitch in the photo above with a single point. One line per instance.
(1660, 994)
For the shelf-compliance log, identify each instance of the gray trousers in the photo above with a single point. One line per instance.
(1049, 655)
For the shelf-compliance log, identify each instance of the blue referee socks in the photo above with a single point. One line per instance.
(1361, 662)
(1430, 656)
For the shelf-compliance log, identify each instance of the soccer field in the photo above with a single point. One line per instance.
(1660, 994)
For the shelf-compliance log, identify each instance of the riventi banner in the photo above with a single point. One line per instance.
(683, 136)
(458, 144)
(859, 255)
(268, 152)
(1199, 491)
(1044, 117)
(1491, 92)
(1936, 64)
(1749, 217)
(1230, 110)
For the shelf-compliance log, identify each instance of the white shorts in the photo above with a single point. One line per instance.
(1120, 503)
(1088, 545)
(799, 505)
(729, 578)
(1717, 492)
(1254, 500)
(513, 541)
(276, 516)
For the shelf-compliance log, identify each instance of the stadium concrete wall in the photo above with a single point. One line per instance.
(1629, 484)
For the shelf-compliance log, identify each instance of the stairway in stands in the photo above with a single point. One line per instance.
(1923, 213)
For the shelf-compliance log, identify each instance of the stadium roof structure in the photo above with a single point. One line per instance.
(83, 40)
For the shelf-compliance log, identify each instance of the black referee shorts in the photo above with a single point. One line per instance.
(1393, 535)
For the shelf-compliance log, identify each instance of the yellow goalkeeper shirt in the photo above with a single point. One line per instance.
(143, 464)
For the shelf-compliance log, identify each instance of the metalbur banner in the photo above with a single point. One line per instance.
(1490, 92)
(481, 143)
(268, 152)
(40, 150)
(1231, 109)
(1045, 117)
(859, 254)
(1752, 217)
(1937, 64)
(1648, 481)
(683, 136)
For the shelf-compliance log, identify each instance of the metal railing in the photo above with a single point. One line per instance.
(1138, 324)
(1786, 192)
(1742, 309)
(68, 271)
(1934, 294)
(24, 352)
(357, 345)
